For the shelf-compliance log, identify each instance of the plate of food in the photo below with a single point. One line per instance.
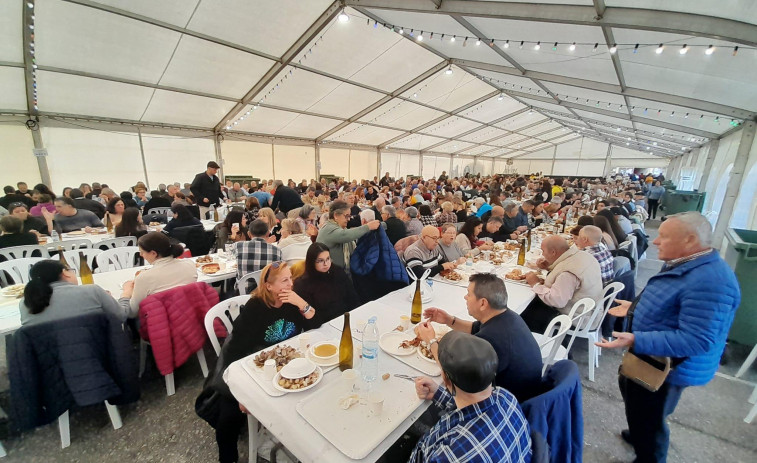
(451, 275)
(210, 269)
(297, 376)
(76, 233)
(515, 274)
(99, 231)
(204, 260)
(324, 353)
(398, 343)
(13, 291)
(282, 354)
(424, 352)
(512, 246)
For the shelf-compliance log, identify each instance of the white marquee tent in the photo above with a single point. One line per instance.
(126, 90)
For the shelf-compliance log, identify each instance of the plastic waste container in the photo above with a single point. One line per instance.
(675, 201)
(741, 255)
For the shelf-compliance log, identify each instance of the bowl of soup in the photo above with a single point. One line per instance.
(324, 351)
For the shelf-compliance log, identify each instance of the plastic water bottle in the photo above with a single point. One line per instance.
(55, 236)
(369, 367)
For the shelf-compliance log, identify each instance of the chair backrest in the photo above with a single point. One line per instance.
(72, 257)
(68, 245)
(242, 282)
(16, 271)
(405, 242)
(621, 264)
(117, 242)
(553, 337)
(582, 311)
(608, 298)
(226, 311)
(160, 210)
(116, 259)
(152, 218)
(20, 252)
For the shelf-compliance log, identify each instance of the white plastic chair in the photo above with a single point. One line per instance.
(73, 259)
(552, 340)
(227, 311)
(119, 242)
(20, 252)
(116, 259)
(68, 245)
(242, 282)
(753, 412)
(65, 428)
(160, 210)
(18, 269)
(170, 385)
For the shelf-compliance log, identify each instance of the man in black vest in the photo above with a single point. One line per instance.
(206, 188)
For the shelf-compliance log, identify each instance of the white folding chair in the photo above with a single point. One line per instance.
(116, 259)
(242, 282)
(18, 270)
(20, 252)
(65, 428)
(68, 245)
(588, 328)
(160, 210)
(227, 311)
(73, 259)
(748, 362)
(753, 412)
(552, 339)
(119, 242)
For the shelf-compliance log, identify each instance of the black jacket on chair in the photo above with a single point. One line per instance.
(81, 360)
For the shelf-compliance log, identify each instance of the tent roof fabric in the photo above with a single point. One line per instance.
(510, 84)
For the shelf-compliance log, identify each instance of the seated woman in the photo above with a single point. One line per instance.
(14, 234)
(447, 215)
(371, 194)
(326, 287)
(307, 220)
(53, 293)
(131, 223)
(44, 201)
(231, 229)
(617, 231)
(115, 210)
(273, 314)
(467, 238)
(267, 215)
(426, 216)
(167, 271)
(608, 237)
(293, 243)
(181, 218)
(460, 210)
(447, 244)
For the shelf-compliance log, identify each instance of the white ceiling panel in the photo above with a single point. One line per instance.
(450, 127)
(506, 81)
(269, 27)
(13, 83)
(615, 121)
(550, 106)
(306, 126)
(538, 146)
(587, 96)
(396, 66)
(62, 93)
(345, 101)
(484, 134)
(480, 149)
(508, 140)
(204, 66)
(494, 108)
(565, 138)
(175, 12)
(740, 10)
(112, 45)
(364, 134)
(183, 109)
(265, 120)
(521, 120)
(650, 130)
(580, 63)
(401, 114)
(11, 43)
(543, 127)
(449, 92)
(416, 142)
(452, 147)
(679, 118)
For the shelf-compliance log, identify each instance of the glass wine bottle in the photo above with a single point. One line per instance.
(345, 345)
(417, 308)
(522, 253)
(85, 273)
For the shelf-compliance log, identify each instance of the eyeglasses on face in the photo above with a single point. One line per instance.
(322, 261)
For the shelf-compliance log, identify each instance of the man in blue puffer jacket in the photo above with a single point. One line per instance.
(684, 313)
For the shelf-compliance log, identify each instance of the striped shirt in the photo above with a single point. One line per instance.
(419, 258)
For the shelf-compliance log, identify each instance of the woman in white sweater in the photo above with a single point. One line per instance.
(468, 236)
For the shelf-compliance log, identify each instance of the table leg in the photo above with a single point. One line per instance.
(252, 426)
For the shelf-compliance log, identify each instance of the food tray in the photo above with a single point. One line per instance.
(354, 431)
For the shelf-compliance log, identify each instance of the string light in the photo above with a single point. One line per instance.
(735, 50)
(478, 42)
(507, 44)
(501, 97)
(554, 47)
(449, 70)
(613, 48)
(683, 49)
(710, 50)
(343, 17)
(420, 37)
(636, 48)
(537, 46)
(659, 49)
(521, 44)
(572, 47)
(452, 39)
(595, 47)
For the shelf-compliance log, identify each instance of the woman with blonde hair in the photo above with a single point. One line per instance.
(447, 215)
(267, 215)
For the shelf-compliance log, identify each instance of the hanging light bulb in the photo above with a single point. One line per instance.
(572, 47)
(554, 47)
(420, 37)
(735, 50)
(596, 45)
(613, 48)
(659, 49)
(449, 70)
(343, 17)
(537, 46)
(710, 50)
(452, 39)
(415, 95)
(521, 44)
(636, 48)
(465, 42)
(402, 31)
(507, 44)
(501, 97)
(478, 41)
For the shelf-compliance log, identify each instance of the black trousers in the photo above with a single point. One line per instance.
(646, 413)
(538, 315)
(653, 204)
(230, 423)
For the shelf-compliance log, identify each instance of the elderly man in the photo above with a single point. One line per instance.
(413, 224)
(206, 188)
(481, 207)
(479, 422)
(340, 239)
(519, 368)
(395, 228)
(684, 312)
(256, 253)
(354, 221)
(285, 198)
(573, 275)
(68, 218)
(515, 223)
(589, 239)
(425, 254)
(236, 194)
(378, 205)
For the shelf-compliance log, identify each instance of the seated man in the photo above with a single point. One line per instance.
(573, 275)
(413, 224)
(12, 197)
(479, 422)
(590, 240)
(493, 230)
(255, 254)
(481, 207)
(68, 218)
(395, 228)
(80, 202)
(514, 222)
(519, 368)
(424, 254)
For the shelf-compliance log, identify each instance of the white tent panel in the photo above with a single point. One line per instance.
(521, 120)
(76, 156)
(112, 45)
(543, 127)
(544, 153)
(14, 88)
(554, 134)
(483, 166)
(505, 81)
(396, 66)
(452, 147)
(614, 121)
(461, 166)
(570, 94)
(481, 149)
(577, 63)
(206, 67)
(67, 94)
(522, 166)
(184, 109)
(277, 25)
(500, 153)
(335, 161)
(416, 142)
(304, 126)
(538, 146)
(552, 107)
(401, 114)
(451, 127)
(679, 118)
(540, 166)
(740, 10)
(10, 31)
(295, 162)
(19, 164)
(565, 138)
(362, 164)
(486, 133)
(590, 168)
(451, 91)
(433, 166)
(247, 158)
(591, 149)
(509, 140)
(176, 12)
(622, 152)
(409, 164)
(494, 108)
(390, 162)
(569, 168)
(265, 120)
(161, 154)
(364, 134)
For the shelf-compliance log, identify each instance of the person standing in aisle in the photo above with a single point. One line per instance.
(654, 195)
(206, 188)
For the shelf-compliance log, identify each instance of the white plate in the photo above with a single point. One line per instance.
(322, 363)
(390, 343)
(276, 378)
(426, 297)
(333, 360)
(13, 291)
(423, 357)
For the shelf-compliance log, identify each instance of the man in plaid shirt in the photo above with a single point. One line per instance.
(255, 254)
(480, 423)
(590, 240)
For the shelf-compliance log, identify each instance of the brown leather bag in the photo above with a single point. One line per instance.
(649, 375)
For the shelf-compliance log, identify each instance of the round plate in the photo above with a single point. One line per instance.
(426, 297)
(423, 357)
(276, 378)
(390, 343)
(333, 360)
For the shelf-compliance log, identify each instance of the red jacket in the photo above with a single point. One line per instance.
(173, 322)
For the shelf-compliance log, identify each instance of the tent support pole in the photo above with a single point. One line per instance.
(142, 154)
(219, 157)
(378, 163)
(608, 160)
(712, 151)
(317, 162)
(44, 171)
(273, 163)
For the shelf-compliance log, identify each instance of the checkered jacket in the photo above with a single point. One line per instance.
(493, 430)
(255, 254)
(605, 259)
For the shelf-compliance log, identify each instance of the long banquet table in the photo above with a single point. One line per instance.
(279, 415)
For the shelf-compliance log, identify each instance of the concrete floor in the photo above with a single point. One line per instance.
(707, 426)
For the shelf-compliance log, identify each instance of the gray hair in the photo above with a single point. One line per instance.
(305, 211)
(389, 210)
(368, 215)
(490, 287)
(479, 201)
(509, 206)
(591, 233)
(277, 183)
(697, 224)
(411, 212)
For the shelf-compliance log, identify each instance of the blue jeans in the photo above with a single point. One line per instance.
(646, 413)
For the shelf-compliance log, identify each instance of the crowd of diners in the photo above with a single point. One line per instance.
(431, 224)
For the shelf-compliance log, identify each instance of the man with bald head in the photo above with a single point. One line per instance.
(685, 313)
(589, 239)
(573, 275)
(425, 254)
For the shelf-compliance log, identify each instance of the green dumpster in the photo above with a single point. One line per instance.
(675, 201)
(741, 255)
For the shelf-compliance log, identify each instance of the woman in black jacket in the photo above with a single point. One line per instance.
(325, 286)
(181, 218)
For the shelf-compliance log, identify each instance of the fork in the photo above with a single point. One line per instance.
(409, 378)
